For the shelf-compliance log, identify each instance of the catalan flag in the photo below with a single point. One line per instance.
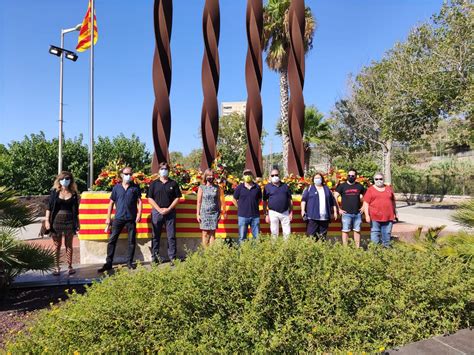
(84, 40)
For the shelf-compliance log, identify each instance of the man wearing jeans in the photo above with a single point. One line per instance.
(247, 197)
(380, 210)
(351, 193)
(163, 195)
(277, 196)
(126, 196)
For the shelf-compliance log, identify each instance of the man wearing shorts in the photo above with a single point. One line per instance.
(351, 193)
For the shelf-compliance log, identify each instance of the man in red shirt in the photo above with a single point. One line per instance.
(380, 210)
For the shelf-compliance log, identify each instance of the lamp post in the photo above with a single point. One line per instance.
(61, 52)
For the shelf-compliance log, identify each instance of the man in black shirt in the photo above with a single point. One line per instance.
(163, 195)
(351, 193)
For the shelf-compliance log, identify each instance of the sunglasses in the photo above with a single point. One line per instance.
(274, 175)
(66, 178)
(351, 176)
(128, 174)
(378, 179)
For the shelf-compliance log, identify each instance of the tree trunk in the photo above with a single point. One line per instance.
(307, 157)
(387, 164)
(284, 117)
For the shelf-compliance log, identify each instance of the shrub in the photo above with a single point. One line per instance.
(465, 214)
(264, 297)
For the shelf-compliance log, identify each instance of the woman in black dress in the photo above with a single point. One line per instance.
(62, 216)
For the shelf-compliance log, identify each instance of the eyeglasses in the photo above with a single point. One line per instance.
(274, 175)
(378, 179)
(127, 174)
(351, 176)
(66, 178)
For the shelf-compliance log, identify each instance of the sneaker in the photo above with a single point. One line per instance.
(131, 266)
(105, 267)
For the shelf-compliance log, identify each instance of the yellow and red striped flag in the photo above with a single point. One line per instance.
(84, 40)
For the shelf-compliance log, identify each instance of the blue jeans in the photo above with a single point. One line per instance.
(381, 229)
(351, 222)
(244, 223)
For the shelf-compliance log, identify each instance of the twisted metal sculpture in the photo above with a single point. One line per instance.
(210, 82)
(296, 69)
(163, 14)
(253, 78)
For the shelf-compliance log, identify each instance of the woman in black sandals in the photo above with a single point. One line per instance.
(62, 216)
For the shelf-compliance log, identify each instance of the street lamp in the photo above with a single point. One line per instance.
(61, 52)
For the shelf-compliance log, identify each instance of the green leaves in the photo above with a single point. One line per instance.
(269, 296)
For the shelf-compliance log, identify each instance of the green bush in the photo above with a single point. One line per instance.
(264, 297)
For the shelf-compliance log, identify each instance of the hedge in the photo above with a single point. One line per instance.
(298, 295)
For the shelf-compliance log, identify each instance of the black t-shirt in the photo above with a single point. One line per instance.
(164, 194)
(350, 196)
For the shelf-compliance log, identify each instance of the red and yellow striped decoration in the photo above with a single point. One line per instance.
(93, 212)
(84, 40)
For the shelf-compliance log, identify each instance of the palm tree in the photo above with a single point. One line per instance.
(17, 257)
(276, 42)
(316, 131)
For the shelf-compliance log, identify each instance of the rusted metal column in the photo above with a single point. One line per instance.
(163, 16)
(210, 82)
(296, 69)
(253, 78)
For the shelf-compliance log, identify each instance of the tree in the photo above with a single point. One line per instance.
(276, 42)
(131, 151)
(30, 166)
(17, 257)
(232, 142)
(176, 158)
(316, 131)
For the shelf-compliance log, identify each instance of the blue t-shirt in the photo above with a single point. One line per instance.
(126, 201)
(278, 197)
(249, 200)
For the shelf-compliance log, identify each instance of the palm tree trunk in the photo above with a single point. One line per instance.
(307, 157)
(284, 117)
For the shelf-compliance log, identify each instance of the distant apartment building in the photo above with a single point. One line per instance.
(228, 108)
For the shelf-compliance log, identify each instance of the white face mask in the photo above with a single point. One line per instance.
(379, 183)
(318, 181)
(275, 179)
(65, 182)
(126, 178)
(164, 172)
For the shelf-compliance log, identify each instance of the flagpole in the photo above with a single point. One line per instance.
(91, 123)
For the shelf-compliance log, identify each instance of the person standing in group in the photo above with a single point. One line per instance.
(350, 210)
(127, 198)
(163, 195)
(380, 210)
(62, 217)
(277, 205)
(210, 207)
(317, 207)
(247, 197)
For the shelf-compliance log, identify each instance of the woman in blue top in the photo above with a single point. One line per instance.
(317, 207)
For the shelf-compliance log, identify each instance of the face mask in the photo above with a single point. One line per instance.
(351, 179)
(248, 178)
(318, 182)
(379, 183)
(210, 179)
(275, 179)
(65, 182)
(126, 178)
(164, 172)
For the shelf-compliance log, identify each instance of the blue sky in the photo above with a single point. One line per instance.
(350, 34)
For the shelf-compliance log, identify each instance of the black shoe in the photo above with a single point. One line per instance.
(131, 266)
(105, 267)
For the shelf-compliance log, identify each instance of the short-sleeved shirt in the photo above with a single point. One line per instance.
(126, 201)
(164, 193)
(350, 196)
(380, 204)
(278, 197)
(249, 200)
